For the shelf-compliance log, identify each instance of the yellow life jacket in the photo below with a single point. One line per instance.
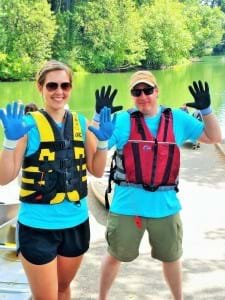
(57, 170)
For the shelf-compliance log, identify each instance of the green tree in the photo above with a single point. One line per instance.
(63, 41)
(64, 5)
(28, 28)
(61, 5)
(211, 3)
(141, 2)
(206, 25)
(166, 33)
(214, 3)
(107, 36)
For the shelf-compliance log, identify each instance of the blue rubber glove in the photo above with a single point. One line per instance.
(12, 120)
(106, 125)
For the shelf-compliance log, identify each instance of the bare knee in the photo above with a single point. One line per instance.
(63, 286)
(113, 260)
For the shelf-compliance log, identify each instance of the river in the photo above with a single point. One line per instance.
(173, 84)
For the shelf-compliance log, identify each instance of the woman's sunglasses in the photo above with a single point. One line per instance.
(146, 91)
(52, 86)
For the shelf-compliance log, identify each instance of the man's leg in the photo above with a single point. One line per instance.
(165, 236)
(173, 276)
(123, 238)
(109, 270)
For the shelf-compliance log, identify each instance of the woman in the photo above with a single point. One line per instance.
(54, 148)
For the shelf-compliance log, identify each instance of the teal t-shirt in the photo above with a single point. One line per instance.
(51, 216)
(137, 201)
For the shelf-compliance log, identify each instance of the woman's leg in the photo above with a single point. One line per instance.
(51, 258)
(67, 269)
(42, 279)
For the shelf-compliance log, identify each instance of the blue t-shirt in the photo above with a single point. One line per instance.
(137, 201)
(51, 216)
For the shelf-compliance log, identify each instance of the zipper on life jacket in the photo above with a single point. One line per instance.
(80, 177)
(152, 187)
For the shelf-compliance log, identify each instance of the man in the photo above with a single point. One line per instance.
(147, 140)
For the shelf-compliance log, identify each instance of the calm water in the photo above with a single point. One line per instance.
(173, 86)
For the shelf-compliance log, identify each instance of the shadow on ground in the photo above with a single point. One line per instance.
(142, 279)
(205, 165)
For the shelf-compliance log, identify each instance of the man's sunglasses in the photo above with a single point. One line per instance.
(146, 91)
(52, 86)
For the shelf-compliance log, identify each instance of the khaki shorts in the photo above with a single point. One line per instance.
(124, 237)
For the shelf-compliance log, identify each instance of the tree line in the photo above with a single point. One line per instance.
(109, 35)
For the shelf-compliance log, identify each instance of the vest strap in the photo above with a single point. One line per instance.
(147, 187)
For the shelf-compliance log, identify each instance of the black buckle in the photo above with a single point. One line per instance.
(60, 145)
(64, 163)
(150, 188)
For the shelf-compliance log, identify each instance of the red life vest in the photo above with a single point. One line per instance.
(152, 162)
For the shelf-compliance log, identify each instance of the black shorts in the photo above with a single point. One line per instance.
(40, 246)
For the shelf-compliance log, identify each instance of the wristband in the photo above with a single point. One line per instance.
(96, 117)
(206, 111)
(9, 144)
(102, 145)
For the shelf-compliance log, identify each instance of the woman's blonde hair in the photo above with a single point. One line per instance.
(52, 65)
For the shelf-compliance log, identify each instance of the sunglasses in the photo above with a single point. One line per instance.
(52, 86)
(146, 91)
